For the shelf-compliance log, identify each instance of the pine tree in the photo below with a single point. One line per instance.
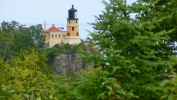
(134, 50)
(157, 9)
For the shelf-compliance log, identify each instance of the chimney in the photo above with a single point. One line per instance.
(44, 25)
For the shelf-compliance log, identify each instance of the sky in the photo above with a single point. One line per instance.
(33, 12)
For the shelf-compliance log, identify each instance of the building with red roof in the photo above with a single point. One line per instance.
(52, 29)
(54, 35)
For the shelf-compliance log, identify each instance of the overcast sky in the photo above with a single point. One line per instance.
(32, 12)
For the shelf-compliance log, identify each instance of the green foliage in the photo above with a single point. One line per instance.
(22, 41)
(23, 76)
(137, 45)
(37, 34)
(12, 27)
(22, 79)
(89, 84)
(52, 53)
(6, 43)
(23, 37)
(162, 9)
(63, 49)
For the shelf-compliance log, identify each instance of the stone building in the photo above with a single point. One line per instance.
(55, 35)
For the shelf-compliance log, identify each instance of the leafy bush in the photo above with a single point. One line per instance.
(23, 76)
(89, 84)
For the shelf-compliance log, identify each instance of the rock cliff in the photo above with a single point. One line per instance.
(65, 63)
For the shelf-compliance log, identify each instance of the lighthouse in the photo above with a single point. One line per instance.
(72, 30)
(54, 35)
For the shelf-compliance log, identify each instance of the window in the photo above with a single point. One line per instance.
(69, 21)
(77, 34)
(48, 35)
(68, 33)
(52, 35)
(75, 14)
(73, 28)
(59, 35)
(76, 21)
(55, 35)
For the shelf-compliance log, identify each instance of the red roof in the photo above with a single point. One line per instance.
(52, 29)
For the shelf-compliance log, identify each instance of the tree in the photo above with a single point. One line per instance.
(37, 34)
(24, 76)
(6, 43)
(129, 49)
(12, 27)
(22, 42)
(22, 36)
(165, 8)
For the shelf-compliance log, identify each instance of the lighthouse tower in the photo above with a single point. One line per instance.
(72, 32)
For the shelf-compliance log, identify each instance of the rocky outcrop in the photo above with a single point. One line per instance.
(65, 63)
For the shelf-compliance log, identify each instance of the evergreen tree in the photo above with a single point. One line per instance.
(158, 9)
(130, 48)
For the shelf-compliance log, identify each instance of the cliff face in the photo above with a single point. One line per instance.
(65, 63)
